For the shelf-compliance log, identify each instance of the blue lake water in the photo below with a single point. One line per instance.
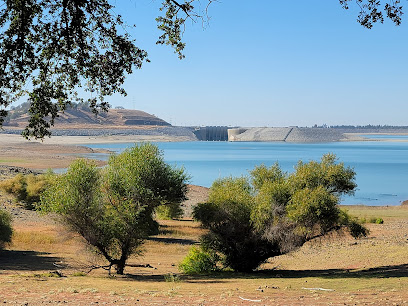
(381, 167)
(386, 136)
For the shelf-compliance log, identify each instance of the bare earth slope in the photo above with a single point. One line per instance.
(121, 122)
(115, 117)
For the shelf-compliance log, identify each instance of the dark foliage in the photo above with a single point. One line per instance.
(373, 11)
(48, 49)
(5, 228)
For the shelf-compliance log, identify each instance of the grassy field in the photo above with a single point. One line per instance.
(48, 264)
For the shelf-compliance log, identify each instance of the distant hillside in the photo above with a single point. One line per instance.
(80, 115)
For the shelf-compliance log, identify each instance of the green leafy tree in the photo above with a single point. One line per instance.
(6, 230)
(272, 213)
(373, 11)
(112, 208)
(48, 49)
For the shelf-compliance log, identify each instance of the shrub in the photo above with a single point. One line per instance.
(112, 208)
(171, 278)
(15, 186)
(170, 211)
(379, 221)
(272, 213)
(27, 189)
(199, 261)
(373, 220)
(5, 228)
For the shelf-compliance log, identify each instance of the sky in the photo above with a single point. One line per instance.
(271, 63)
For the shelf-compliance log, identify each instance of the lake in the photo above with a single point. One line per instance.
(381, 167)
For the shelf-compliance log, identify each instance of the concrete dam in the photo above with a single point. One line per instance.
(211, 133)
(286, 134)
(271, 134)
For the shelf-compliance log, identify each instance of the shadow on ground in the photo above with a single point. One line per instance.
(173, 240)
(396, 271)
(378, 272)
(27, 261)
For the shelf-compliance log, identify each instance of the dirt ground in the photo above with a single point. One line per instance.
(48, 264)
(59, 151)
(34, 154)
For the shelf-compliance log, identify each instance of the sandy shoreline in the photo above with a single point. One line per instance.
(60, 151)
(81, 140)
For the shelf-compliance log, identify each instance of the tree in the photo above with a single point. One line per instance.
(50, 48)
(112, 208)
(371, 11)
(251, 220)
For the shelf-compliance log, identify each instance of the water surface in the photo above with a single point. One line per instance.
(381, 167)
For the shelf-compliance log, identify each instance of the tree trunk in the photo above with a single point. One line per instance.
(120, 266)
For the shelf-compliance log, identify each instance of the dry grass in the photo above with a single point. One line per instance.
(388, 213)
(372, 270)
(34, 239)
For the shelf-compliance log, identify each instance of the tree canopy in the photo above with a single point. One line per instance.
(113, 208)
(272, 212)
(373, 11)
(50, 48)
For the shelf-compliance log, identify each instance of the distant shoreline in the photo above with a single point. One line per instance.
(114, 134)
(60, 151)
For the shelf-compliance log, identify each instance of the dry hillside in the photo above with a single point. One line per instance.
(79, 117)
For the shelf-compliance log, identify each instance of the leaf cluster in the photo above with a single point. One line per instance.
(371, 11)
(55, 47)
(50, 49)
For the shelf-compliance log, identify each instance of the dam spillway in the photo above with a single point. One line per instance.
(211, 133)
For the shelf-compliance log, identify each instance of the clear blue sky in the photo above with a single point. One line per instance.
(271, 63)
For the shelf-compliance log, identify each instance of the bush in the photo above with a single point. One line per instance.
(113, 208)
(15, 186)
(272, 213)
(378, 221)
(170, 211)
(5, 228)
(374, 220)
(199, 261)
(27, 189)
